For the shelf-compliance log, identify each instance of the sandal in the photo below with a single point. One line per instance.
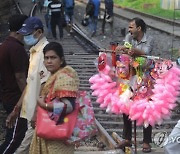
(124, 143)
(146, 148)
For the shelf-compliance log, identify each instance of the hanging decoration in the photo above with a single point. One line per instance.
(144, 88)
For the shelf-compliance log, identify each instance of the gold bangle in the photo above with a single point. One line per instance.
(46, 106)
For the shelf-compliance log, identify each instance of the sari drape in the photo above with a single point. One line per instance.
(66, 84)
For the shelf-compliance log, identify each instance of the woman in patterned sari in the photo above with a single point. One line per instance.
(62, 86)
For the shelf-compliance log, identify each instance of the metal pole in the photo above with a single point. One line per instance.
(135, 143)
(172, 48)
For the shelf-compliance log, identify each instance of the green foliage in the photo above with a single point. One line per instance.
(150, 7)
(175, 53)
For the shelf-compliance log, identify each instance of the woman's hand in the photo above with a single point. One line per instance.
(41, 102)
(33, 121)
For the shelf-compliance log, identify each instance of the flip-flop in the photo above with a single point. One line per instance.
(124, 143)
(146, 150)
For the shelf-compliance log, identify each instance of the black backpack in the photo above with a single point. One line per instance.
(85, 22)
(90, 7)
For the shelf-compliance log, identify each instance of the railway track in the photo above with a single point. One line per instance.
(121, 12)
(80, 55)
(114, 123)
(166, 35)
(80, 52)
(77, 55)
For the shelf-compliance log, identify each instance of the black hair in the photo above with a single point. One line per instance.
(140, 23)
(16, 21)
(58, 49)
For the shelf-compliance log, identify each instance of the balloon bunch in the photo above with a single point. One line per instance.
(153, 110)
(102, 84)
(111, 94)
(113, 89)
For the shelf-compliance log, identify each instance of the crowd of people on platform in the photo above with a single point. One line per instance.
(27, 79)
(58, 11)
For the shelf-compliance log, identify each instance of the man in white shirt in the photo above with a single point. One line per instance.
(32, 30)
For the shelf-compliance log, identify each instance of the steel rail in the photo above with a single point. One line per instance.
(102, 130)
(98, 48)
(18, 7)
(104, 136)
(171, 22)
(86, 38)
(156, 18)
(32, 11)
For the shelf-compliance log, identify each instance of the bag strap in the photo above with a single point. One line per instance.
(63, 114)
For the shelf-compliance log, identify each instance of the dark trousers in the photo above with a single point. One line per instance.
(127, 130)
(69, 15)
(109, 7)
(47, 18)
(56, 21)
(104, 23)
(14, 137)
(93, 24)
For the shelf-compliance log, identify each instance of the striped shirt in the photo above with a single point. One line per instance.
(55, 9)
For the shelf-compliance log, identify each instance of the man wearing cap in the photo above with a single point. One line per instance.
(32, 30)
(13, 70)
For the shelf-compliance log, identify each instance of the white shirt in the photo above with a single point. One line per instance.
(37, 74)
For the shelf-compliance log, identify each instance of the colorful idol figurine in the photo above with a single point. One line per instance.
(123, 66)
(102, 61)
(144, 89)
(160, 68)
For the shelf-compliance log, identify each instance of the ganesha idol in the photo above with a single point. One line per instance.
(143, 89)
(122, 97)
(123, 71)
(123, 66)
(105, 64)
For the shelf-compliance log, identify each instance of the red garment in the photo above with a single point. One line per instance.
(12, 60)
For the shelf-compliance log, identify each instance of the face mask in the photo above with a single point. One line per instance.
(30, 40)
